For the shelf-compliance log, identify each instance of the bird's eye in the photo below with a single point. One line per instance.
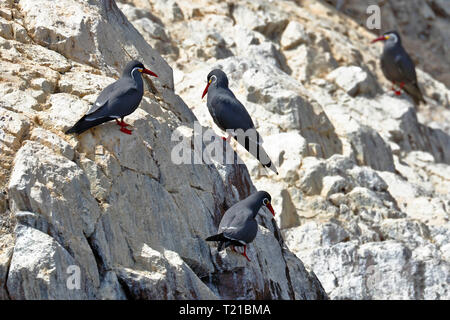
(212, 79)
(265, 201)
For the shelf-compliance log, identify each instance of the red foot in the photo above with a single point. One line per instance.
(245, 253)
(124, 130)
(398, 92)
(122, 123)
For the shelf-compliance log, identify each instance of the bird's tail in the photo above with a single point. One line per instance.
(83, 125)
(220, 238)
(414, 91)
(216, 237)
(256, 149)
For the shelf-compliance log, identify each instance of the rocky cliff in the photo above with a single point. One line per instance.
(362, 198)
(111, 206)
(424, 25)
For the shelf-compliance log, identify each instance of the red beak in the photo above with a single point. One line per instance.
(382, 38)
(149, 72)
(269, 206)
(206, 90)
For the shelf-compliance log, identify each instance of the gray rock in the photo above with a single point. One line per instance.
(293, 35)
(164, 276)
(362, 196)
(260, 17)
(116, 206)
(354, 81)
(39, 269)
(371, 150)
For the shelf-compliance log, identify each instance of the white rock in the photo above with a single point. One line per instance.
(353, 80)
(269, 22)
(293, 35)
(107, 198)
(39, 269)
(163, 276)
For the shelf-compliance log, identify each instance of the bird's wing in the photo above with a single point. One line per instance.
(230, 113)
(115, 101)
(406, 67)
(235, 222)
(244, 233)
(235, 215)
(102, 99)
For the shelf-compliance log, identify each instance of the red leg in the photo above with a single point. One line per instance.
(399, 92)
(245, 253)
(393, 86)
(125, 130)
(122, 123)
(233, 249)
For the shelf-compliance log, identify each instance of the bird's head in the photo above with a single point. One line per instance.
(390, 36)
(134, 66)
(266, 201)
(217, 78)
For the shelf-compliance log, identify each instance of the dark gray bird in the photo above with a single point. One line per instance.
(398, 67)
(238, 226)
(117, 100)
(230, 115)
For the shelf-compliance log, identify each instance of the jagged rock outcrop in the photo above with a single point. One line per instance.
(111, 209)
(423, 24)
(363, 190)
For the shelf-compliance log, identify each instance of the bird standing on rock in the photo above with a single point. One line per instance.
(229, 114)
(238, 226)
(119, 99)
(398, 67)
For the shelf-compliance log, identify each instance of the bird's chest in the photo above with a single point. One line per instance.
(214, 111)
(251, 231)
(389, 67)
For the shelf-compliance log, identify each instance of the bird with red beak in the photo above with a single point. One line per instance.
(117, 100)
(238, 226)
(230, 115)
(398, 67)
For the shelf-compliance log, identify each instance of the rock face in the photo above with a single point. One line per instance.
(106, 215)
(363, 192)
(423, 24)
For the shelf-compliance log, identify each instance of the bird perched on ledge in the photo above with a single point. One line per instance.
(230, 115)
(238, 226)
(398, 67)
(119, 99)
